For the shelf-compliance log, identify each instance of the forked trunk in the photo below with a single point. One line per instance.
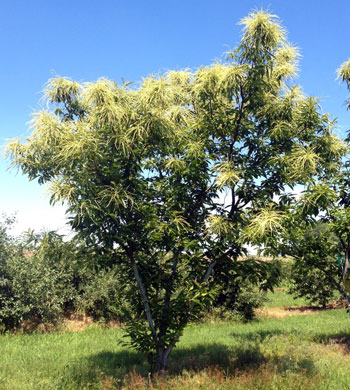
(159, 366)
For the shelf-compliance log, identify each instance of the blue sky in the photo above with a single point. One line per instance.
(85, 40)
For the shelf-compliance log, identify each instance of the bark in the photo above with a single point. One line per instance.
(163, 327)
(161, 363)
(209, 270)
(346, 270)
(346, 264)
(144, 298)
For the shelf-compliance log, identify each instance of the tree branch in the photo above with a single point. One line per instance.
(163, 323)
(143, 295)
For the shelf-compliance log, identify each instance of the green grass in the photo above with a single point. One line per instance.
(292, 353)
(71, 360)
(281, 298)
(266, 354)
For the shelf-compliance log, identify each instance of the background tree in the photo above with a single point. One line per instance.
(344, 75)
(7, 252)
(242, 287)
(44, 277)
(315, 273)
(316, 234)
(144, 171)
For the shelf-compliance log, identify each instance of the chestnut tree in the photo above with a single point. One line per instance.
(180, 173)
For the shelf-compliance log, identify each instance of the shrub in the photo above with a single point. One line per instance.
(8, 313)
(39, 281)
(313, 284)
(243, 285)
(44, 277)
(315, 274)
(241, 301)
(100, 294)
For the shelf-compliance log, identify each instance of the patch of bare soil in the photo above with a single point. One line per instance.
(275, 312)
(71, 323)
(263, 258)
(281, 312)
(76, 323)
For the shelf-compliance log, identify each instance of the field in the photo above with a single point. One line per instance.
(293, 351)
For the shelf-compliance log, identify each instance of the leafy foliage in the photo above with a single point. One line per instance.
(315, 233)
(344, 75)
(242, 286)
(45, 277)
(7, 298)
(313, 275)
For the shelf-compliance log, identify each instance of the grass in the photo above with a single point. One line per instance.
(281, 298)
(296, 352)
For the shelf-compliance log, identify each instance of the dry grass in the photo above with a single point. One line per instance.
(265, 377)
(71, 323)
(282, 312)
(76, 323)
(278, 312)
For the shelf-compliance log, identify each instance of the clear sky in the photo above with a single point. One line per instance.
(85, 40)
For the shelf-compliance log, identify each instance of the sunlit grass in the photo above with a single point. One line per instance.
(267, 354)
(281, 298)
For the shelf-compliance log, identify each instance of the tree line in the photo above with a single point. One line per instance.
(46, 278)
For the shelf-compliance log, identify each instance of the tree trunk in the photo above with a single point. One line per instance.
(160, 363)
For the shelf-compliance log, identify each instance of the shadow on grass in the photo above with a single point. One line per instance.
(257, 336)
(340, 338)
(94, 369)
(307, 308)
(117, 365)
(216, 355)
(237, 359)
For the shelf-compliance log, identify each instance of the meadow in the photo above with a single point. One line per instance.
(298, 351)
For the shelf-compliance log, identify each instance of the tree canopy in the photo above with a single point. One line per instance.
(182, 172)
(316, 229)
(344, 75)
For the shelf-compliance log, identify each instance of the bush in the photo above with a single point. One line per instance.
(43, 278)
(8, 312)
(100, 294)
(241, 302)
(243, 284)
(40, 281)
(315, 272)
(313, 284)
(287, 265)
